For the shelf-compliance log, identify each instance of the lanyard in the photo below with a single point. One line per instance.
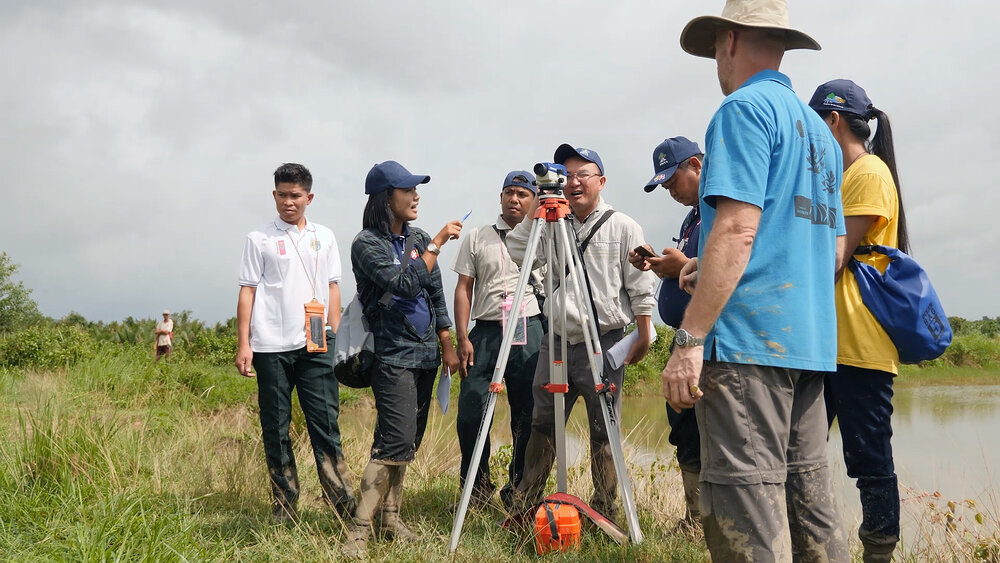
(312, 278)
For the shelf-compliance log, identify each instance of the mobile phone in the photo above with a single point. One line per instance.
(643, 251)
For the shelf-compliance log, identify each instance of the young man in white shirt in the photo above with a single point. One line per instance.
(289, 264)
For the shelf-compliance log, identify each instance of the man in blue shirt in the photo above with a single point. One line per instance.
(758, 334)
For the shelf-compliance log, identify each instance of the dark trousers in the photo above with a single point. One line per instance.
(319, 396)
(486, 338)
(861, 401)
(402, 402)
(541, 449)
(685, 438)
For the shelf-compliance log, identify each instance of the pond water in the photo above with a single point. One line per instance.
(944, 445)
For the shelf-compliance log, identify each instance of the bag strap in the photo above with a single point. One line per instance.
(600, 221)
(410, 244)
(582, 246)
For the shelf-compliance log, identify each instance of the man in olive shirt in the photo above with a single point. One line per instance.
(487, 279)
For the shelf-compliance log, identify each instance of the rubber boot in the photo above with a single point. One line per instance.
(691, 523)
(878, 553)
(374, 487)
(389, 524)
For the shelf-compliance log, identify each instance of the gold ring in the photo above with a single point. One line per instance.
(693, 390)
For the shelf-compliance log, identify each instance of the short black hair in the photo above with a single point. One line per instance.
(293, 173)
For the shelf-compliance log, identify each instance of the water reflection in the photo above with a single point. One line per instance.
(943, 443)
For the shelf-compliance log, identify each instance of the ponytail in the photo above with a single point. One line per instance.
(881, 146)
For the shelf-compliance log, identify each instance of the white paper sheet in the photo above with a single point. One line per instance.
(617, 353)
(444, 390)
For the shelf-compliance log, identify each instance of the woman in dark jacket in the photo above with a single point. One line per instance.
(399, 283)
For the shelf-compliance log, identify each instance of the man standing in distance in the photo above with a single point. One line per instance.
(677, 168)
(762, 321)
(621, 295)
(164, 336)
(287, 264)
(487, 278)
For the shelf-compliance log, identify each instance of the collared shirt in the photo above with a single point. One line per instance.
(620, 291)
(376, 269)
(164, 339)
(483, 256)
(765, 147)
(286, 280)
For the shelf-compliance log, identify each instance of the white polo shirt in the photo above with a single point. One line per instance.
(286, 280)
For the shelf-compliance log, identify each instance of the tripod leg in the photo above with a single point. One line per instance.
(594, 351)
(495, 384)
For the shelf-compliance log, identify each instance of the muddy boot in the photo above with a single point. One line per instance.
(691, 523)
(880, 552)
(374, 486)
(388, 522)
(337, 493)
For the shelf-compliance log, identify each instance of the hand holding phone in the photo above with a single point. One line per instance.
(644, 252)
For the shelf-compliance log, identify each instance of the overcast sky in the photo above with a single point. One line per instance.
(138, 139)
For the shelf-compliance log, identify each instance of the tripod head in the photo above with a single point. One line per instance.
(550, 179)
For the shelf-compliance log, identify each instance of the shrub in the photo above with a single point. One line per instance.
(45, 347)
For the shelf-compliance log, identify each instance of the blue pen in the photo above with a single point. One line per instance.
(466, 216)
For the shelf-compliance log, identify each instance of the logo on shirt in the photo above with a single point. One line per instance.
(281, 247)
(315, 245)
(413, 254)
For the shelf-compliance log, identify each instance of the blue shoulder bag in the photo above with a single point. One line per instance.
(904, 302)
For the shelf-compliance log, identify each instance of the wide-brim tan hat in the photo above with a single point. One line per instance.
(698, 37)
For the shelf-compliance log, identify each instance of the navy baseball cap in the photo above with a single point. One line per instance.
(843, 96)
(566, 151)
(667, 156)
(391, 174)
(526, 184)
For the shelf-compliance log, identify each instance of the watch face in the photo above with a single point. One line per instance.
(682, 337)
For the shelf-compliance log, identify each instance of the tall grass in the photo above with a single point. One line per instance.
(119, 458)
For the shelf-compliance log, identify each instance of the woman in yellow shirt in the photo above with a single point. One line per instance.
(859, 394)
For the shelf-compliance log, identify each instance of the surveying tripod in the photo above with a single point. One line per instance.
(567, 265)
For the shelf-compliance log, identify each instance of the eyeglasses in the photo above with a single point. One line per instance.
(582, 176)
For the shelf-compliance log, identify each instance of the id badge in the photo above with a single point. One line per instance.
(521, 322)
(315, 327)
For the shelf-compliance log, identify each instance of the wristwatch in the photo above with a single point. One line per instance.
(685, 339)
(433, 248)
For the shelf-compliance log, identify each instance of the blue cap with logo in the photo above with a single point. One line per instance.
(524, 182)
(844, 96)
(391, 174)
(566, 151)
(667, 156)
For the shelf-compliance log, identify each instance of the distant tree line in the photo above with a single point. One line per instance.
(30, 340)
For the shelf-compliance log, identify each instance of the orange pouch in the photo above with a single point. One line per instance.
(315, 327)
(557, 527)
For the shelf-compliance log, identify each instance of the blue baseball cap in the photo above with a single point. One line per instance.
(667, 156)
(566, 151)
(391, 174)
(511, 180)
(843, 96)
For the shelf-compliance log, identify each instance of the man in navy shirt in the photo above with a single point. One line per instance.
(677, 168)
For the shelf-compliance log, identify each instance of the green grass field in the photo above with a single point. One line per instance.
(116, 458)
